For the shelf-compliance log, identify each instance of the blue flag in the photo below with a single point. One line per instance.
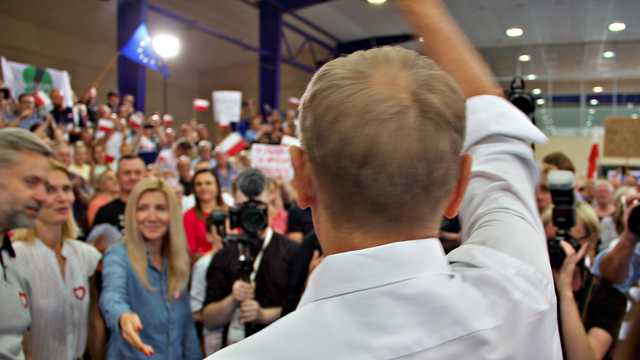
(138, 49)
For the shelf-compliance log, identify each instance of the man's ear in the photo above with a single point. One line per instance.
(460, 187)
(302, 180)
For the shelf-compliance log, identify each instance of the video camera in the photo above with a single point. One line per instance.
(561, 185)
(520, 98)
(251, 217)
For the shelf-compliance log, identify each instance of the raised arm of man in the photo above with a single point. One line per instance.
(499, 208)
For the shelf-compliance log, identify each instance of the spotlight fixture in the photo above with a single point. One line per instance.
(617, 26)
(514, 32)
(524, 57)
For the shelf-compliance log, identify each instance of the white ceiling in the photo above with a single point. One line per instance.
(564, 37)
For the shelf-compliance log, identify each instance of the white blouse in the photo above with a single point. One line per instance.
(59, 305)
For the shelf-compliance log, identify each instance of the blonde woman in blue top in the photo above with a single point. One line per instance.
(144, 299)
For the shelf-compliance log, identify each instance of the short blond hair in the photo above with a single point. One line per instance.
(383, 130)
(175, 247)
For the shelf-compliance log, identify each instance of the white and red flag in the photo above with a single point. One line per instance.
(201, 105)
(231, 145)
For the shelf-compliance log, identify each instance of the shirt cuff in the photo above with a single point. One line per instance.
(489, 115)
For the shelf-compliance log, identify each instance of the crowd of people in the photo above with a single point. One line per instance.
(126, 236)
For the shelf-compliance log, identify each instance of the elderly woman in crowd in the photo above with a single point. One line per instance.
(107, 189)
(144, 299)
(208, 196)
(612, 226)
(59, 271)
(590, 309)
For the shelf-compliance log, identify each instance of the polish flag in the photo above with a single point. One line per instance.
(167, 120)
(135, 120)
(231, 145)
(200, 105)
(105, 125)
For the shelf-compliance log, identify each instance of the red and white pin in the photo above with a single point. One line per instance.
(24, 299)
(79, 292)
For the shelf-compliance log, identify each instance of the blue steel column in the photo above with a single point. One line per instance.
(270, 58)
(131, 76)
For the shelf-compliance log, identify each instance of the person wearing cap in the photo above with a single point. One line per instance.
(24, 168)
(244, 308)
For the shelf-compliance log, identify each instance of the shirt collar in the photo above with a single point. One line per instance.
(43, 247)
(363, 269)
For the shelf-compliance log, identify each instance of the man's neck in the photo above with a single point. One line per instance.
(124, 196)
(335, 239)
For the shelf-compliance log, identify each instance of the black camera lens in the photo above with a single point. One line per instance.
(254, 220)
(634, 221)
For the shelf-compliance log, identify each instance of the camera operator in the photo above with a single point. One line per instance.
(590, 310)
(247, 280)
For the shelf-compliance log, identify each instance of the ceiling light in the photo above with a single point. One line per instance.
(165, 45)
(514, 32)
(608, 54)
(594, 102)
(536, 91)
(617, 26)
(377, 2)
(421, 39)
(531, 77)
(540, 101)
(592, 111)
(524, 58)
(597, 89)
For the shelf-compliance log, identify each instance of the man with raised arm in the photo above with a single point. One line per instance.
(384, 155)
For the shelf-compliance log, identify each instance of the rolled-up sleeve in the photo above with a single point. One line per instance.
(114, 300)
(499, 209)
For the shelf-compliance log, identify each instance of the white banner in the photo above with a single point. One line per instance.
(226, 106)
(273, 160)
(25, 78)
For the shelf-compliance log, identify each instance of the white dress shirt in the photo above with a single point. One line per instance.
(492, 298)
(59, 302)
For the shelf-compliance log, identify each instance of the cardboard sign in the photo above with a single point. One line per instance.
(227, 106)
(273, 160)
(621, 137)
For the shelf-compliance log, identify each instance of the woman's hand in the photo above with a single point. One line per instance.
(564, 277)
(130, 327)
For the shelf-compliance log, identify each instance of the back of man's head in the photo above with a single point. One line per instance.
(15, 140)
(383, 130)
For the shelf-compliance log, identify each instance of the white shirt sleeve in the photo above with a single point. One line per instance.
(199, 282)
(89, 257)
(499, 209)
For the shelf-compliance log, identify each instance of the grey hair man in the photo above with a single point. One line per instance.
(24, 167)
(388, 138)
